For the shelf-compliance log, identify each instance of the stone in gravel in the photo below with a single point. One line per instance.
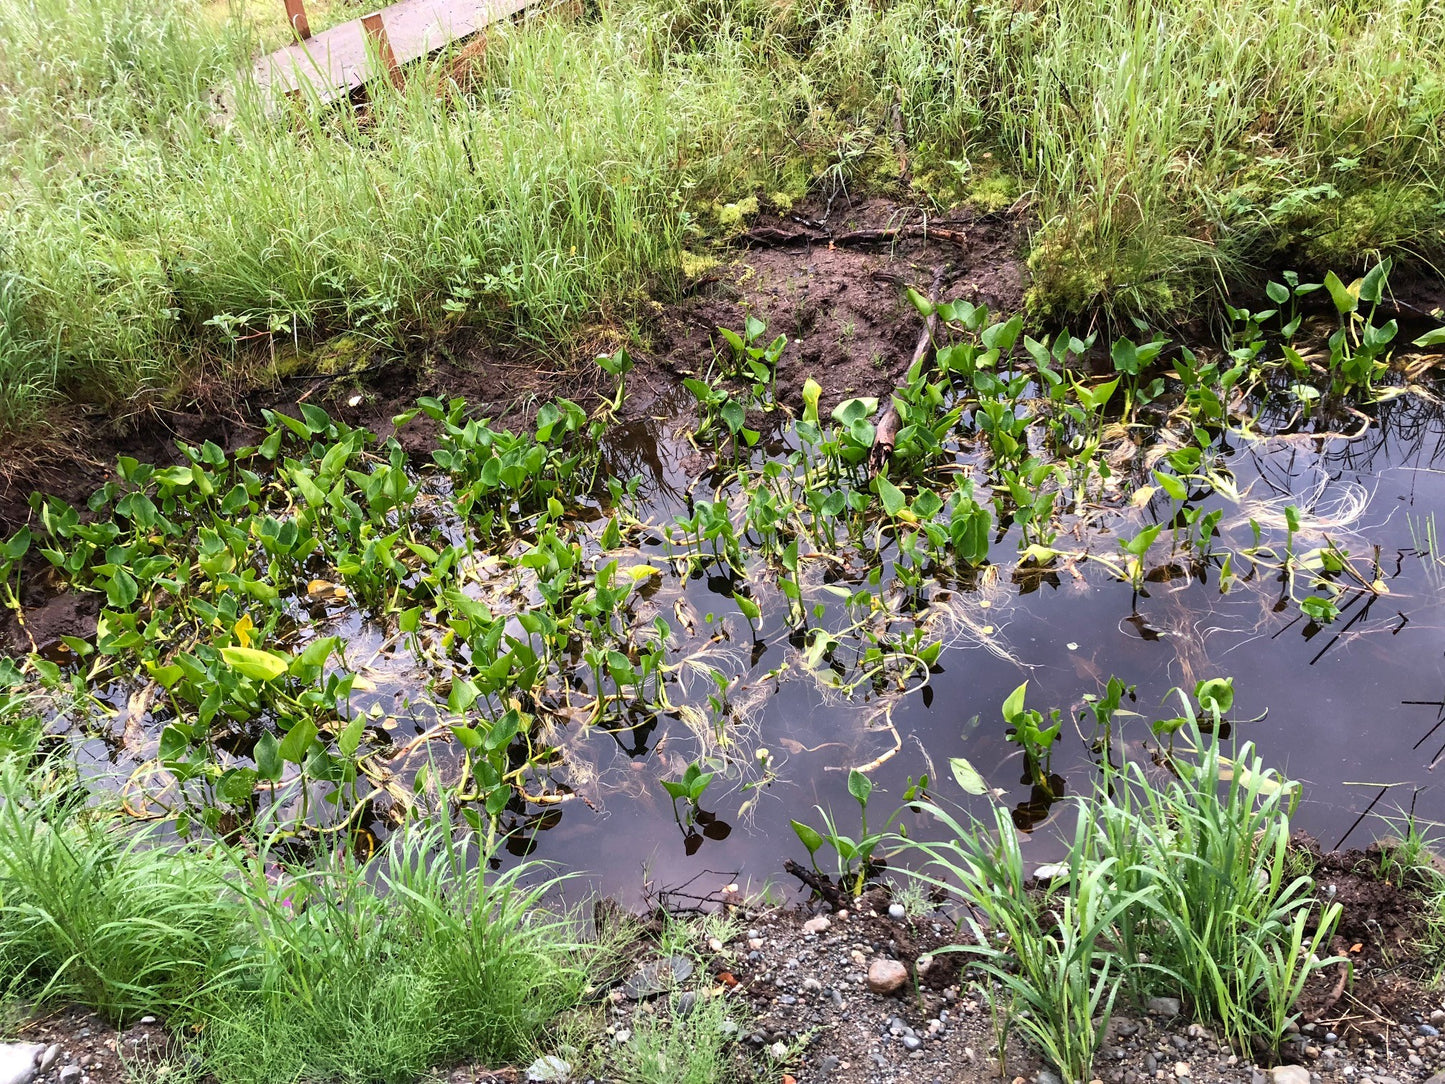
(656, 977)
(1124, 1028)
(1164, 1006)
(70, 1074)
(685, 1002)
(778, 1050)
(18, 1061)
(897, 912)
(912, 1042)
(1047, 1076)
(816, 924)
(1289, 1074)
(546, 1070)
(1426, 1029)
(923, 964)
(827, 1065)
(47, 1059)
(886, 976)
(1181, 1070)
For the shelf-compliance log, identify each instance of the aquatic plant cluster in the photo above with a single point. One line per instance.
(517, 596)
(317, 660)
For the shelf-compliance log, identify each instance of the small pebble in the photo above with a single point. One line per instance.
(896, 912)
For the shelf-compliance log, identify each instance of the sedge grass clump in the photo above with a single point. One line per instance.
(382, 970)
(1179, 886)
(99, 916)
(337, 969)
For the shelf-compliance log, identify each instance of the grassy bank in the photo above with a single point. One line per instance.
(280, 967)
(1162, 150)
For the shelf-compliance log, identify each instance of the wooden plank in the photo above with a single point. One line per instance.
(296, 16)
(334, 63)
(374, 27)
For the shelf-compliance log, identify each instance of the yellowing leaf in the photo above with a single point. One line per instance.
(325, 589)
(253, 663)
(642, 572)
(242, 630)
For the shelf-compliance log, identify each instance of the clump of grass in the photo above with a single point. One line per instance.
(101, 918)
(696, 1048)
(1174, 887)
(1163, 149)
(346, 970)
(384, 970)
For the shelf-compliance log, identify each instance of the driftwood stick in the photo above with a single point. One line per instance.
(821, 885)
(772, 237)
(886, 435)
(900, 137)
(1335, 994)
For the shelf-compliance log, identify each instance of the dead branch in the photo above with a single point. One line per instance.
(1335, 994)
(772, 237)
(886, 435)
(821, 885)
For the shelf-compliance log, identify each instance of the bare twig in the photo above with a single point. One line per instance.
(886, 435)
(1335, 994)
(821, 885)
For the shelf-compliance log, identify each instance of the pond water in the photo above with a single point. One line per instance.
(1353, 708)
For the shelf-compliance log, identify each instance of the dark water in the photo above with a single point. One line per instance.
(1354, 709)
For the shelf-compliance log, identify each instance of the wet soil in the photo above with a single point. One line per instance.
(842, 307)
(841, 303)
(1381, 929)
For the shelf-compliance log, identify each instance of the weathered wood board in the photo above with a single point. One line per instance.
(333, 63)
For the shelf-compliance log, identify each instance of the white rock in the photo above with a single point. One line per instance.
(1289, 1074)
(17, 1062)
(1050, 870)
(816, 924)
(549, 1069)
(779, 1051)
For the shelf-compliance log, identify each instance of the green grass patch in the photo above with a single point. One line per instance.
(1178, 882)
(286, 970)
(1162, 150)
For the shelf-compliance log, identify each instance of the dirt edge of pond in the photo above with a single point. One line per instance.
(842, 307)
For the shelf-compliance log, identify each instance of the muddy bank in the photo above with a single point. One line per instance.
(842, 307)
